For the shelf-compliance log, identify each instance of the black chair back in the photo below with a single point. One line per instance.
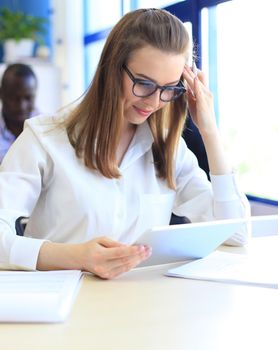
(20, 225)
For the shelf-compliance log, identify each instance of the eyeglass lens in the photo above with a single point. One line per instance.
(147, 88)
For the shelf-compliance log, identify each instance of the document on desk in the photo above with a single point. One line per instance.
(230, 268)
(37, 296)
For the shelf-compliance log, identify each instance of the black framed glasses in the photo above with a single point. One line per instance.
(145, 88)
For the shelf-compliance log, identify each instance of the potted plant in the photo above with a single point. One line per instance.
(19, 32)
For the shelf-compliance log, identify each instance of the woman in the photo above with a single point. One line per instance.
(116, 165)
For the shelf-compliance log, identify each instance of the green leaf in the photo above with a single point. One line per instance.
(18, 25)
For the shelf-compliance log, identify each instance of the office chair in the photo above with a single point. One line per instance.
(195, 143)
(20, 225)
(178, 220)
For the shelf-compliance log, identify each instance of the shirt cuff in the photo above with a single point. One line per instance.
(224, 187)
(25, 251)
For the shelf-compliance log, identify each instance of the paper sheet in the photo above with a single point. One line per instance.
(37, 296)
(230, 267)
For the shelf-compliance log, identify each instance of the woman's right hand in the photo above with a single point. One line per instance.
(200, 101)
(108, 258)
(102, 256)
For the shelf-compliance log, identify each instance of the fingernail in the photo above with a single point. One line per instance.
(149, 251)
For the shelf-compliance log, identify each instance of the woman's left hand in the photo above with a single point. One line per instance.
(200, 101)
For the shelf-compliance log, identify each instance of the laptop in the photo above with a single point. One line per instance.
(187, 241)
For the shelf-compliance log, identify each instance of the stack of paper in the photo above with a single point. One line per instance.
(230, 267)
(37, 296)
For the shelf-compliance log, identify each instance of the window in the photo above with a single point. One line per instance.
(245, 57)
(99, 17)
(154, 3)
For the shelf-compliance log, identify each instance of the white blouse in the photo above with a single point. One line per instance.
(42, 178)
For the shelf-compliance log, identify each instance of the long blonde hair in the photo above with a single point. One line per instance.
(94, 127)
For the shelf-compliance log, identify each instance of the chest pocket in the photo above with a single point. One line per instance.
(155, 210)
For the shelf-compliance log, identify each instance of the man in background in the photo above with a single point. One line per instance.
(17, 95)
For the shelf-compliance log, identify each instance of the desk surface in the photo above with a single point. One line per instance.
(144, 310)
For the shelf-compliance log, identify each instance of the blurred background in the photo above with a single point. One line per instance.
(235, 43)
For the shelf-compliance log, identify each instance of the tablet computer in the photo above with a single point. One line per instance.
(187, 241)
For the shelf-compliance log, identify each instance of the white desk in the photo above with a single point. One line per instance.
(144, 310)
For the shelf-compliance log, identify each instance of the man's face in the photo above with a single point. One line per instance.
(18, 98)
